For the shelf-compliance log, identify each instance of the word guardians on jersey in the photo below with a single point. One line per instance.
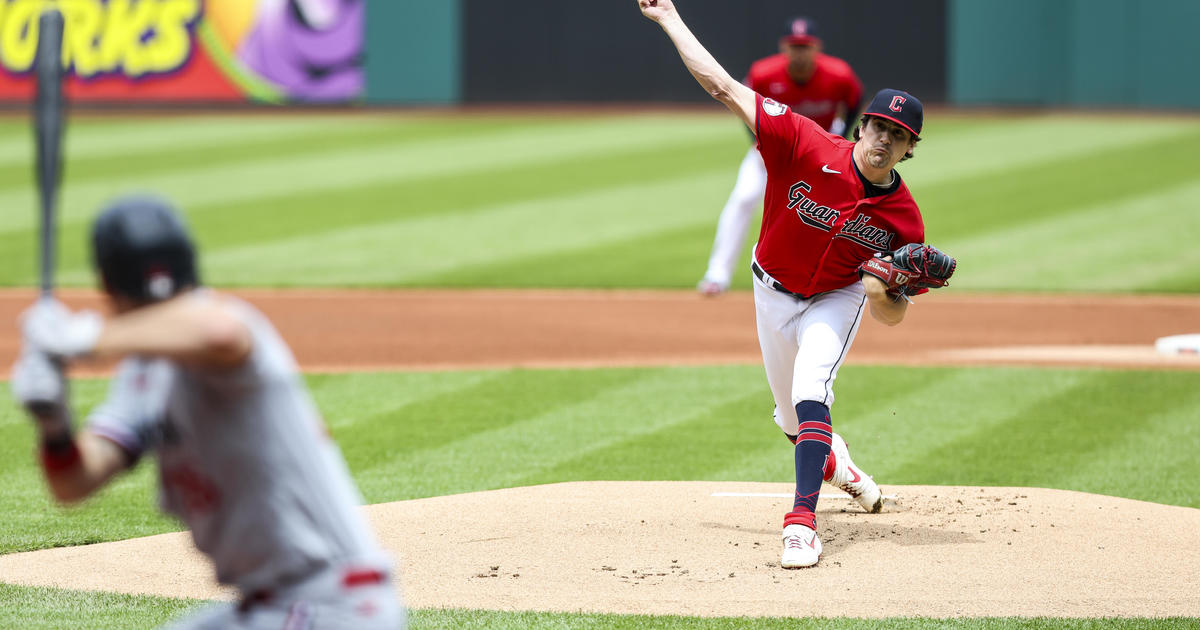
(825, 219)
(131, 37)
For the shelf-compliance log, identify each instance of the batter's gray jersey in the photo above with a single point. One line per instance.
(244, 460)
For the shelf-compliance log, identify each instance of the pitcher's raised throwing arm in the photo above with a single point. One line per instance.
(709, 74)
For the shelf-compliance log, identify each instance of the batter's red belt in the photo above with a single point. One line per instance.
(351, 578)
(775, 284)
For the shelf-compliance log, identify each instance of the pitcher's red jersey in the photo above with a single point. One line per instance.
(821, 219)
(832, 83)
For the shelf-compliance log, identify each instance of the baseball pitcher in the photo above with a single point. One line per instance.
(840, 234)
(812, 84)
(208, 386)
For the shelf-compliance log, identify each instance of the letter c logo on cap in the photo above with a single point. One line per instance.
(897, 101)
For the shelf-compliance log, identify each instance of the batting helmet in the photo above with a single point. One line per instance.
(142, 249)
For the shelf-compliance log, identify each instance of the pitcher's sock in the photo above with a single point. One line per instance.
(812, 451)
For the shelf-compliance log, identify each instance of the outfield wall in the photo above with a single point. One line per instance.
(1125, 53)
(605, 51)
(1106, 53)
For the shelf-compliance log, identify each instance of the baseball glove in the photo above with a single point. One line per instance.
(912, 269)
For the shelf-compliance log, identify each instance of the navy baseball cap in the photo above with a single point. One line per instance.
(801, 31)
(899, 107)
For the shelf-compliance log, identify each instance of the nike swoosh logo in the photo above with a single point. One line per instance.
(811, 542)
(825, 168)
(854, 475)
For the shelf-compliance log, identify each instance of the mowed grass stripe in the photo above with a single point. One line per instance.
(894, 423)
(225, 149)
(957, 148)
(408, 251)
(1025, 193)
(694, 447)
(341, 394)
(349, 133)
(1154, 235)
(453, 193)
(665, 257)
(1079, 173)
(567, 429)
(259, 180)
(241, 224)
(411, 435)
(144, 142)
(448, 424)
(1121, 462)
(130, 138)
(41, 608)
(1152, 224)
(1043, 441)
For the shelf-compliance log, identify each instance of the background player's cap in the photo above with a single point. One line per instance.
(801, 31)
(899, 107)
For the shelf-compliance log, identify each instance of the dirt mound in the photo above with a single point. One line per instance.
(712, 549)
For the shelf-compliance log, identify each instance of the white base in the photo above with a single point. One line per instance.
(1178, 344)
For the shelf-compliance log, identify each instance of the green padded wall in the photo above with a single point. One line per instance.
(413, 52)
(1166, 70)
(1113, 53)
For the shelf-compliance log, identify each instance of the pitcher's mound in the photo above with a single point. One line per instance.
(712, 548)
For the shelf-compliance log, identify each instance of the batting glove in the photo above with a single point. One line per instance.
(38, 380)
(49, 326)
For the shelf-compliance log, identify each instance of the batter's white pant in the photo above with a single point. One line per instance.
(322, 602)
(735, 217)
(803, 344)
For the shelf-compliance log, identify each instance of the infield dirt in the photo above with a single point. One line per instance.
(677, 548)
(342, 330)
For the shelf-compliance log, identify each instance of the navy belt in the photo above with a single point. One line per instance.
(773, 283)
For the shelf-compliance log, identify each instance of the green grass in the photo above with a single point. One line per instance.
(37, 608)
(396, 199)
(408, 200)
(32, 608)
(413, 435)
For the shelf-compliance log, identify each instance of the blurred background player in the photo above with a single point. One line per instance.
(812, 84)
(244, 458)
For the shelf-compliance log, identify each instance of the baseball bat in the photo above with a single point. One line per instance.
(48, 127)
(48, 132)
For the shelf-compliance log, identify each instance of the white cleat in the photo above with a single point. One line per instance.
(801, 547)
(709, 288)
(854, 482)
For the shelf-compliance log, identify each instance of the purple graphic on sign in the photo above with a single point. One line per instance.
(311, 49)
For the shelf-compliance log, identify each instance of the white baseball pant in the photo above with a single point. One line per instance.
(803, 344)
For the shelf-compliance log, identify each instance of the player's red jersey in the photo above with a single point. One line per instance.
(832, 83)
(820, 220)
